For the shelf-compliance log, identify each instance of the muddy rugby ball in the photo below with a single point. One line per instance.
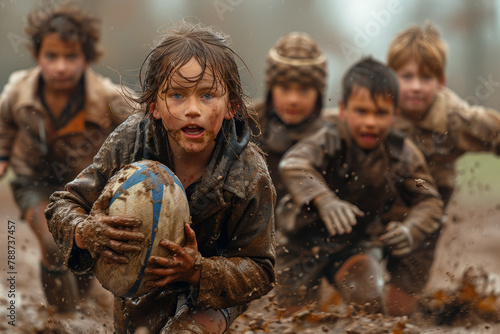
(152, 193)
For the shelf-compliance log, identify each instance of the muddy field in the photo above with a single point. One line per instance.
(461, 294)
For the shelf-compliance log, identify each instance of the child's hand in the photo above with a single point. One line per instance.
(398, 238)
(338, 216)
(108, 236)
(183, 265)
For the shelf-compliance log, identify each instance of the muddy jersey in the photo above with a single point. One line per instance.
(451, 128)
(232, 210)
(39, 146)
(329, 162)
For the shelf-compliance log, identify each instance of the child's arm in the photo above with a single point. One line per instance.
(301, 170)
(338, 216)
(8, 129)
(473, 128)
(245, 269)
(302, 166)
(238, 265)
(102, 234)
(425, 205)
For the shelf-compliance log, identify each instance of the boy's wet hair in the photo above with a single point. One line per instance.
(209, 48)
(71, 23)
(379, 79)
(424, 45)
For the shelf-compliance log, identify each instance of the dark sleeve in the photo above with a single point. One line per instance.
(246, 271)
(70, 207)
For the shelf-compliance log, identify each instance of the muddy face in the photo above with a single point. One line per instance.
(192, 106)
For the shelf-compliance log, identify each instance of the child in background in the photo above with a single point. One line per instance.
(443, 125)
(53, 120)
(194, 121)
(295, 88)
(343, 179)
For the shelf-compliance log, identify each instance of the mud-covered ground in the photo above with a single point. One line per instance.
(461, 294)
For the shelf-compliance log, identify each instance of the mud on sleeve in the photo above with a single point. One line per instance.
(246, 271)
(301, 166)
(477, 128)
(426, 206)
(8, 128)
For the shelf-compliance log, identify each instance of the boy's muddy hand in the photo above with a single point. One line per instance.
(338, 216)
(109, 236)
(398, 238)
(184, 263)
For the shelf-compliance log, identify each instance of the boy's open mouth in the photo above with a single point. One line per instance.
(369, 135)
(192, 130)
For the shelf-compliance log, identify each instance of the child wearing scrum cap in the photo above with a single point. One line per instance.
(295, 82)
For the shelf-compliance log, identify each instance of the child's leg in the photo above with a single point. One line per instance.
(409, 276)
(58, 282)
(151, 311)
(298, 276)
(360, 280)
(187, 321)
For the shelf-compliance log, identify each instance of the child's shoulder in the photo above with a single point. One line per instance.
(460, 115)
(452, 104)
(21, 78)
(135, 124)
(249, 170)
(252, 157)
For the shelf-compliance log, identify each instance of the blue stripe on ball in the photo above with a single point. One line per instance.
(174, 177)
(157, 193)
(136, 178)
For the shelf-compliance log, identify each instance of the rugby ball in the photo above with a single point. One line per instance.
(149, 191)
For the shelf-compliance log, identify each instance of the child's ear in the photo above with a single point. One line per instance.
(342, 110)
(230, 113)
(154, 111)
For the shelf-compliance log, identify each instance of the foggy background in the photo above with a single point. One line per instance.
(345, 29)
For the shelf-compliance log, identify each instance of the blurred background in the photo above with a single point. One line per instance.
(345, 29)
